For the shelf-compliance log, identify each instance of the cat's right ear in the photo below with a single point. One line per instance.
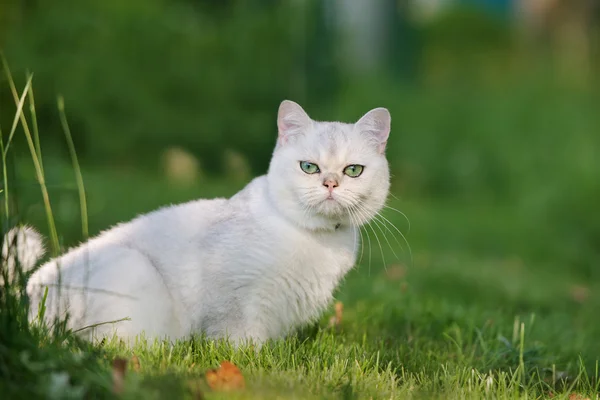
(291, 120)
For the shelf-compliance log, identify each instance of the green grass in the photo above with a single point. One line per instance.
(461, 321)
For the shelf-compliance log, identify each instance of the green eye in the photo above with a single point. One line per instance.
(354, 170)
(309, 167)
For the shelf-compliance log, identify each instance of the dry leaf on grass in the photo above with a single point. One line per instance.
(225, 378)
(135, 363)
(336, 320)
(119, 366)
(577, 396)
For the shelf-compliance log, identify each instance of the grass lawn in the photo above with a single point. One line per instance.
(482, 311)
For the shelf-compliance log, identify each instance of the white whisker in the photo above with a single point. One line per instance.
(400, 212)
(368, 239)
(385, 224)
(364, 208)
(401, 234)
(378, 223)
(361, 210)
(354, 220)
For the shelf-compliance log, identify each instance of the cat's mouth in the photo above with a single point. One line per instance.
(331, 199)
(330, 206)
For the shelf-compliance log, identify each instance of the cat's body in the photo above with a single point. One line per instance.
(253, 266)
(287, 278)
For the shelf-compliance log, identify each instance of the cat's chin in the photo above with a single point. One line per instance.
(320, 222)
(330, 209)
(331, 215)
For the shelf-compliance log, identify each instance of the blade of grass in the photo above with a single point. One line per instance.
(80, 186)
(42, 306)
(35, 157)
(36, 134)
(5, 181)
(19, 101)
(102, 323)
(74, 160)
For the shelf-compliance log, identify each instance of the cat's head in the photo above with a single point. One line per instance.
(327, 173)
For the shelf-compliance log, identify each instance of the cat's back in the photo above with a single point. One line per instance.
(197, 218)
(172, 228)
(185, 218)
(189, 226)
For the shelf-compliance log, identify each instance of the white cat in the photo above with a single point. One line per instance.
(254, 266)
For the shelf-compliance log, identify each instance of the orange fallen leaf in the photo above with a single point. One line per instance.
(226, 378)
(118, 374)
(577, 396)
(339, 310)
(336, 320)
(135, 362)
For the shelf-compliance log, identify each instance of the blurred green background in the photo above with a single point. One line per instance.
(495, 105)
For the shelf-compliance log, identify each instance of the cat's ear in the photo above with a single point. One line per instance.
(376, 123)
(291, 119)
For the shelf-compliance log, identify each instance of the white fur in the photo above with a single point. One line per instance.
(254, 266)
(22, 247)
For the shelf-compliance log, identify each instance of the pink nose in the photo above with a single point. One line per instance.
(330, 184)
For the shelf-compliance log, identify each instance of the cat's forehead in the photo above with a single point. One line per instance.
(332, 140)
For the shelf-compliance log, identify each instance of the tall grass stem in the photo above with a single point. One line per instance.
(34, 155)
(76, 168)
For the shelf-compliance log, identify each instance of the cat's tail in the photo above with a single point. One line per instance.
(22, 247)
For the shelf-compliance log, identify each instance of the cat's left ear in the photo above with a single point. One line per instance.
(376, 123)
